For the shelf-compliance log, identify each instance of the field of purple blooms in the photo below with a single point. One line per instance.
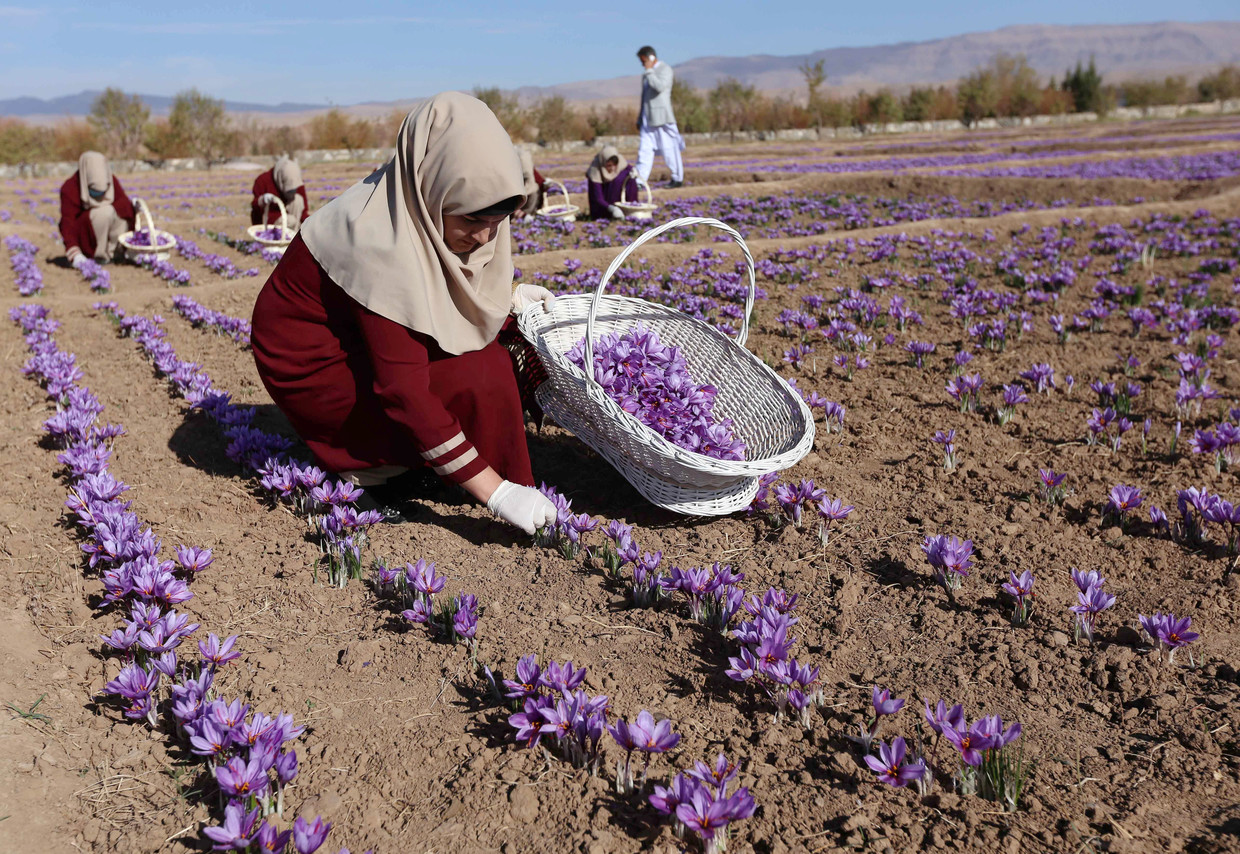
(993, 610)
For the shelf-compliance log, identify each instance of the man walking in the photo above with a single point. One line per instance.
(656, 124)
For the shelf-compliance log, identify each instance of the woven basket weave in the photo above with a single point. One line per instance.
(639, 209)
(286, 233)
(163, 241)
(768, 416)
(566, 212)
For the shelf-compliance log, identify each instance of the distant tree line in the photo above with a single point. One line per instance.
(197, 125)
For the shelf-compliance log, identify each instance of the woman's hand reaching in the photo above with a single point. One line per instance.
(521, 506)
(526, 295)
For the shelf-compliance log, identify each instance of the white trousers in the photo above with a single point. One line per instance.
(664, 140)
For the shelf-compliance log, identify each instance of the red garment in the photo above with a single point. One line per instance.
(363, 391)
(75, 227)
(266, 183)
(539, 179)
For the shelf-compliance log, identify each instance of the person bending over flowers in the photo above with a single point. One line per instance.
(94, 211)
(376, 333)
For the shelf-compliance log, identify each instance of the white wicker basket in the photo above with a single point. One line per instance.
(266, 242)
(566, 212)
(162, 242)
(639, 209)
(768, 416)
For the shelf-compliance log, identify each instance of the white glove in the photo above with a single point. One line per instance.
(76, 258)
(615, 212)
(521, 506)
(526, 295)
(266, 199)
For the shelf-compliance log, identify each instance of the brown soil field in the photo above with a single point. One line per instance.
(405, 750)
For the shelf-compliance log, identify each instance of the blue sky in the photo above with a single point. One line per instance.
(345, 53)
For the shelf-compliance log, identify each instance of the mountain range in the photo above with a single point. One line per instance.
(1120, 51)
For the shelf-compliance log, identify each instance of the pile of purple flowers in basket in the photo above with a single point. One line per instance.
(274, 232)
(651, 382)
(155, 239)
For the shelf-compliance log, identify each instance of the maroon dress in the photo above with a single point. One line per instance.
(75, 227)
(363, 391)
(266, 183)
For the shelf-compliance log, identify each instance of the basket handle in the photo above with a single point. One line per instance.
(140, 207)
(563, 189)
(686, 221)
(283, 213)
(649, 193)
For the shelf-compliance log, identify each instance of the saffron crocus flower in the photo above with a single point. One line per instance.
(704, 815)
(1053, 490)
(831, 510)
(422, 578)
(240, 779)
(965, 389)
(716, 776)
(419, 613)
(1013, 395)
(666, 799)
(1089, 605)
(562, 678)
(890, 766)
(951, 559)
(992, 725)
(1122, 501)
(970, 742)
(194, 559)
(947, 440)
(883, 702)
(919, 350)
(941, 716)
(286, 767)
(270, 839)
(528, 722)
(526, 683)
(219, 652)
(1020, 588)
(1168, 631)
(236, 831)
(309, 836)
(1087, 579)
(652, 736)
(792, 499)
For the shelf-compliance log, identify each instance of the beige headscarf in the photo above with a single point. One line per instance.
(380, 240)
(287, 175)
(93, 171)
(599, 171)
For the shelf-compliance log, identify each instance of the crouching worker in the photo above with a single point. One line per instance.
(534, 186)
(94, 211)
(610, 179)
(376, 333)
(282, 180)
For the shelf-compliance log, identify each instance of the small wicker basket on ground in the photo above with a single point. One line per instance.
(161, 242)
(767, 414)
(639, 209)
(276, 244)
(566, 212)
